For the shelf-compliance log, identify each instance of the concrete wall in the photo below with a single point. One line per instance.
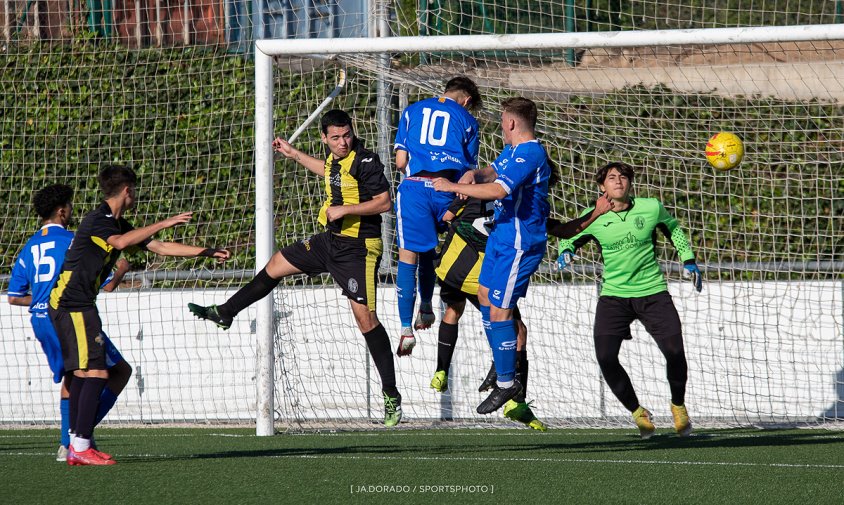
(757, 352)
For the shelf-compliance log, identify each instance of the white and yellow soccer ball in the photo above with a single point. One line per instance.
(724, 150)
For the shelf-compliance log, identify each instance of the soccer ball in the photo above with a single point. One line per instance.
(724, 150)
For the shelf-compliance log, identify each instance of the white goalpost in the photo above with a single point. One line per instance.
(764, 340)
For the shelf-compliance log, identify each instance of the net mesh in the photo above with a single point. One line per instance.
(764, 340)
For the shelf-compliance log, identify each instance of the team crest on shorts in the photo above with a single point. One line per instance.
(99, 339)
(307, 244)
(353, 286)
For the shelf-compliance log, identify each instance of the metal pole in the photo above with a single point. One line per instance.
(264, 242)
(570, 27)
(633, 38)
(186, 23)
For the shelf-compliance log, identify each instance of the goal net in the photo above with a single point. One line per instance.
(763, 340)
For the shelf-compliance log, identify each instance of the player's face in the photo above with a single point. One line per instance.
(65, 215)
(616, 185)
(508, 124)
(130, 197)
(339, 140)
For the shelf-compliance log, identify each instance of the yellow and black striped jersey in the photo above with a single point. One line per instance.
(351, 180)
(89, 260)
(462, 253)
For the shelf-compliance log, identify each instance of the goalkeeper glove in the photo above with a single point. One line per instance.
(691, 271)
(565, 259)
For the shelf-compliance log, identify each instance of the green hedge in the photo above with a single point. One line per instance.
(184, 119)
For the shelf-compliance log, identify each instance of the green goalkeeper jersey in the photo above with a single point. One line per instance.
(627, 240)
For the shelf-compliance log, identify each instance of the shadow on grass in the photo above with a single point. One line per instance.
(532, 446)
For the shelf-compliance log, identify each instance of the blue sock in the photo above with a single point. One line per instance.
(502, 338)
(107, 399)
(427, 276)
(406, 292)
(64, 408)
(485, 317)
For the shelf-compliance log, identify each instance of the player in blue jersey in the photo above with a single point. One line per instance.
(33, 276)
(518, 182)
(437, 137)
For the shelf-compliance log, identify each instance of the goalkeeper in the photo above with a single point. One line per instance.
(459, 264)
(634, 288)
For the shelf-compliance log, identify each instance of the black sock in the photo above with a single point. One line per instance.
(89, 402)
(445, 345)
(75, 392)
(260, 286)
(522, 374)
(379, 347)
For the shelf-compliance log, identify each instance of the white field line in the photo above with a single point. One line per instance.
(444, 433)
(480, 459)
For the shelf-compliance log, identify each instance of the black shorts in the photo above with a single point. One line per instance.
(657, 313)
(352, 262)
(81, 337)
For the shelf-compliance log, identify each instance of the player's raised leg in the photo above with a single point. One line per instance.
(260, 286)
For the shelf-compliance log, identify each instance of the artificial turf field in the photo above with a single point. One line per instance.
(490, 466)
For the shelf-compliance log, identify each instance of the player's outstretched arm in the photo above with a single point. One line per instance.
(484, 191)
(138, 235)
(571, 228)
(284, 147)
(187, 251)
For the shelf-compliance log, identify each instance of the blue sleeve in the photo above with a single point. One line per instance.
(473, 144)
(521, 167)
(19, 283)
(401, 134)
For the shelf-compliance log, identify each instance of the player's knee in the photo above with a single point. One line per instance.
(607, 359)
(367, 321)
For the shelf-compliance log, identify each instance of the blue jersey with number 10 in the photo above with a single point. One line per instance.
(438, 134)
(38, 265)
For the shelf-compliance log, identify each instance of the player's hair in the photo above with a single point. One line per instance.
(522, 108)
(467, 86)
(623, 168)
(49, 199)
(113, 178)
(336, 117)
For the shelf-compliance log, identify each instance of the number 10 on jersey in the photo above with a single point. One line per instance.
(429, 133)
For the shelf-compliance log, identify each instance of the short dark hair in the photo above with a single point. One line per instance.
(49, 199)
(336, 117)
(114, 177)
(522, 108)
(468, 86)
(623, 168)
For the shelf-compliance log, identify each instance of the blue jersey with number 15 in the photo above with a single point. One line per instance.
(438, 134)
(38, 265)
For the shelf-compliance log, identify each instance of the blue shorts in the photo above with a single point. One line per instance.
(419, 214)
(49, 340)
(506, 271)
